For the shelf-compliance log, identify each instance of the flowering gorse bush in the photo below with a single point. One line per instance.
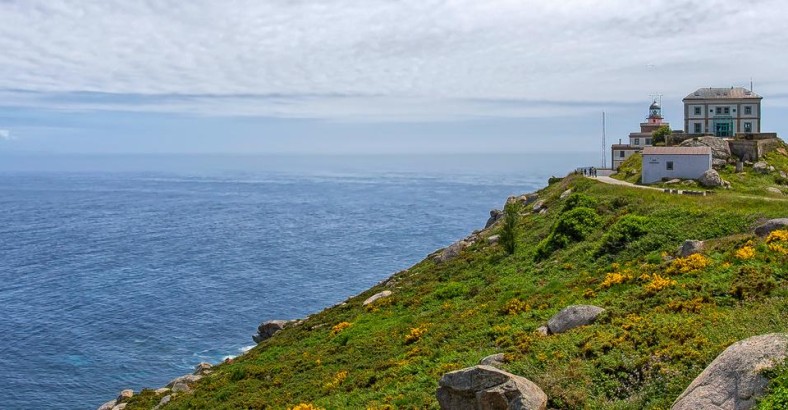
(744, 253)
(778, 241)
(336, 380)
(658, 283)
(415, 334)
(340, 327)
(692, 263)
(306, 406)
(515, 307)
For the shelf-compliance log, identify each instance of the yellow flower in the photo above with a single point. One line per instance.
(778, 235)
(340, 327)
(306, 406)
(746, 252)
(689, 264)
(658, 283)
(415, 334)
(614, 278)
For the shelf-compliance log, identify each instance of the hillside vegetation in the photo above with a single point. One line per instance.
(615, 247)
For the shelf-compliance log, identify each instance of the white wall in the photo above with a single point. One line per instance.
(684, 167)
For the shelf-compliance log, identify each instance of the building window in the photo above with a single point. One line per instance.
(669, 165)
(747, 110)
(637, 141)
(648, 141)
(726, 110)
(697, 110)
(747, 127)
(698, 129)
(621, 154)
(719, 110)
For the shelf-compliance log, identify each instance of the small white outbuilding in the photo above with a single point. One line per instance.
(674, 162)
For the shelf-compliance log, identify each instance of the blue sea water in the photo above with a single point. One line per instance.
(126, 271)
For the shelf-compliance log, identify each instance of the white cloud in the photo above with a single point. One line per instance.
(5, 135)
(355, 59)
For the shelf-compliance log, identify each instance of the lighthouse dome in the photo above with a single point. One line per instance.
(654, 106)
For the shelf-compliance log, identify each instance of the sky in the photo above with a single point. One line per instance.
(370, 76)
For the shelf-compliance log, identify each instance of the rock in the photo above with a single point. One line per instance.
(494, 360)
(710, 178)
(739, 167)
(451, 251)
(203, 368)
(565, 194)
(164, 400)
(379, 295)
(183, 383)
(493, 239)
(523, 200)
(690, 247)
(572, 317)
(771, 225)
(718, 163)
(760, 167)
(673, 181)
(783, 174)
(120, 406)
(540, 205)
(125, 394)
(773, 190)
(734, 380)
(495, 216)
(542, 331)
(720, 151)
(268, 329)
(485, 387)
(726, 184)
(162, 391)
(108, 405)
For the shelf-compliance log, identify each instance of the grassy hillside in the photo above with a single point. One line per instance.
(610, 246)
(630, 169)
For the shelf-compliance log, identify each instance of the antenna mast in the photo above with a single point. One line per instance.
(604, 143)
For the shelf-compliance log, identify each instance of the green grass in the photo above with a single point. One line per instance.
(641, 354)
(631, 169)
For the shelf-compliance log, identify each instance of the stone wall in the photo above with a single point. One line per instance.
(752, 150)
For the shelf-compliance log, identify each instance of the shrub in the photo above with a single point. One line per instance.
(578, 200)
(744, 253)
(751, 283)
(624, 231)
(657, 284)
(508, 232)
(451, 290)
(306, 406)
(572, 226)
(340, 327)
(515, 307)
(689, 264)
(777, 395)
(415, 334)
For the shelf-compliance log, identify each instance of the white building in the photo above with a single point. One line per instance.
(723, 112)
(674, 162)
(638, 140)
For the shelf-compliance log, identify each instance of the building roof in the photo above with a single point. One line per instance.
(722, 93)
(625, 147)
(677, 151)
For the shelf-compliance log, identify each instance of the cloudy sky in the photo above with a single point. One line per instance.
(342, 76)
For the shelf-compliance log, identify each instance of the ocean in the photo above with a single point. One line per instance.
(125, 271)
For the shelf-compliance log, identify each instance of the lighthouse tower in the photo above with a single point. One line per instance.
(654, 114)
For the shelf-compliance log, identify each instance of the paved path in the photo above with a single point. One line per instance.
(613, 181)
